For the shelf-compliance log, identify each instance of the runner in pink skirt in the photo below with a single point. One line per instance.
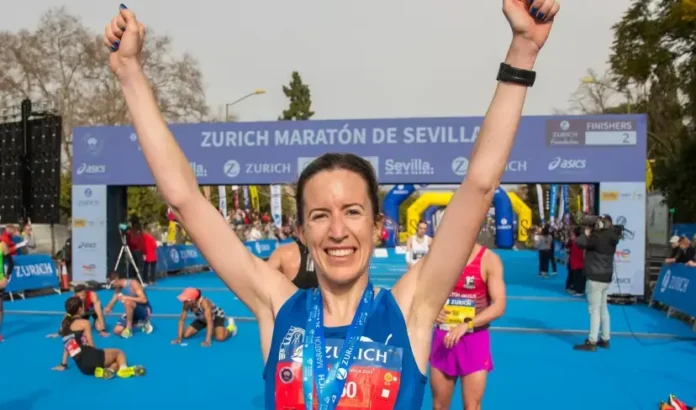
(462, 343)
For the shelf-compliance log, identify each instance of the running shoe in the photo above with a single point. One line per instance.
(147, 327)
(231, 326)
(102, 373)
(677, 404)
(126, 333)
(131, 371)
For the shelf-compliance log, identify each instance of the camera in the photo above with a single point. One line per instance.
(604, 222)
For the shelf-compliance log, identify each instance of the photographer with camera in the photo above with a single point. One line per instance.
(599, 240)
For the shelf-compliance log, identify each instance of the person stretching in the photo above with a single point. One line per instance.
(135, 302)
(79, 345)
(208, 316)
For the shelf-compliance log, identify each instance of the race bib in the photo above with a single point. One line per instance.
(372, 384)
(72, 346)
(417, 255)
(459, 310)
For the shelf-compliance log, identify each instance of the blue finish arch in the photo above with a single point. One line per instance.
(428, 217)
(504, 235)
(394, 198)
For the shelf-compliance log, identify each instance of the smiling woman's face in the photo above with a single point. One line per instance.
(339, 227)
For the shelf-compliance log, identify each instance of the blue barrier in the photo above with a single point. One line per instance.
(688, 230)
(33, 272)
(178, 257)
(672, 288)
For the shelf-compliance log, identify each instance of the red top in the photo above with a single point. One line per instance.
(471, 284)
(135, 241)
(88, 301)
(7, 239)
(149, 247)
(576, 255)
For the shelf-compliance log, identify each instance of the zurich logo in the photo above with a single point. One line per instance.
(503, 221)
(93, 145)
(460, 166)
(665, 280)
(174, 254)
(232, 168)
(565, 125)
(88, 193)
(621, 220)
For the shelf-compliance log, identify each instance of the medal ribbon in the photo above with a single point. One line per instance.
(315, 369)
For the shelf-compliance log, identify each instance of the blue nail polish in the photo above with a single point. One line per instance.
(114, 48)
(117, 43)
(122, 28)
(540, 16)
(533, 11)
(123, 6)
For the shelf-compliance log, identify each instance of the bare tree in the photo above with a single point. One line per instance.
(597, 94)
(64, 65)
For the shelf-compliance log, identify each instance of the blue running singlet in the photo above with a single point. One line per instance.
(383, 374)
(126, 291)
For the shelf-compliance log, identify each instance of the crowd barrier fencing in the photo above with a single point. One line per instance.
(672, 289)
(181, 257)
(32, 272)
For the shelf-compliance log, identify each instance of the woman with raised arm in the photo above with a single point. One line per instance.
(375, 341)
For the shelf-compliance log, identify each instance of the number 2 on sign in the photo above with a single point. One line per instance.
(350, 390)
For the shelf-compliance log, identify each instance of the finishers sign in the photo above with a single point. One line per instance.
(372, 384)
(459, 311)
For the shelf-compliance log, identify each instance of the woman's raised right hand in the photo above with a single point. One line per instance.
(124, 36)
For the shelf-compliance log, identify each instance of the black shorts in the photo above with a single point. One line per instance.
(89, 359)
(90, 315)
(199, 324)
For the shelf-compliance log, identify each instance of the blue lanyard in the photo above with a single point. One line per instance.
(330, 383)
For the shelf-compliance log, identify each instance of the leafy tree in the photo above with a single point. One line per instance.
(300, 97)
(146, 203)
(63, 65)
(655, 48)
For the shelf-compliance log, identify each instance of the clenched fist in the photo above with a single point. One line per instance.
(124, 36)
(531, 20)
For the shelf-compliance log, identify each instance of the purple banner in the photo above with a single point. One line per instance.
(414, 150)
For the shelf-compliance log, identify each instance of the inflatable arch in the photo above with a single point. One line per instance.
(510, 210)
(524, 216)
(429, 218)
(414, 212)
(390, 207)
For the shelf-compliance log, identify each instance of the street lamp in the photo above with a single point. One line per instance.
(238, 100)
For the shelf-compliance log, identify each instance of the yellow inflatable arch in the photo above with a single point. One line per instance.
(414, 212)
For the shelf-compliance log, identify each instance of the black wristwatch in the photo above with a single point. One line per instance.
(510, 74)
(64, 365)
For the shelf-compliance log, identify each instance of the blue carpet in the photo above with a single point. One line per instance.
(534, 363)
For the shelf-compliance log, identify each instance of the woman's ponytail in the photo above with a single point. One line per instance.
(72, 307)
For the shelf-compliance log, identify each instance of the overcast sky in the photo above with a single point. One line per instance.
(362, 59)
